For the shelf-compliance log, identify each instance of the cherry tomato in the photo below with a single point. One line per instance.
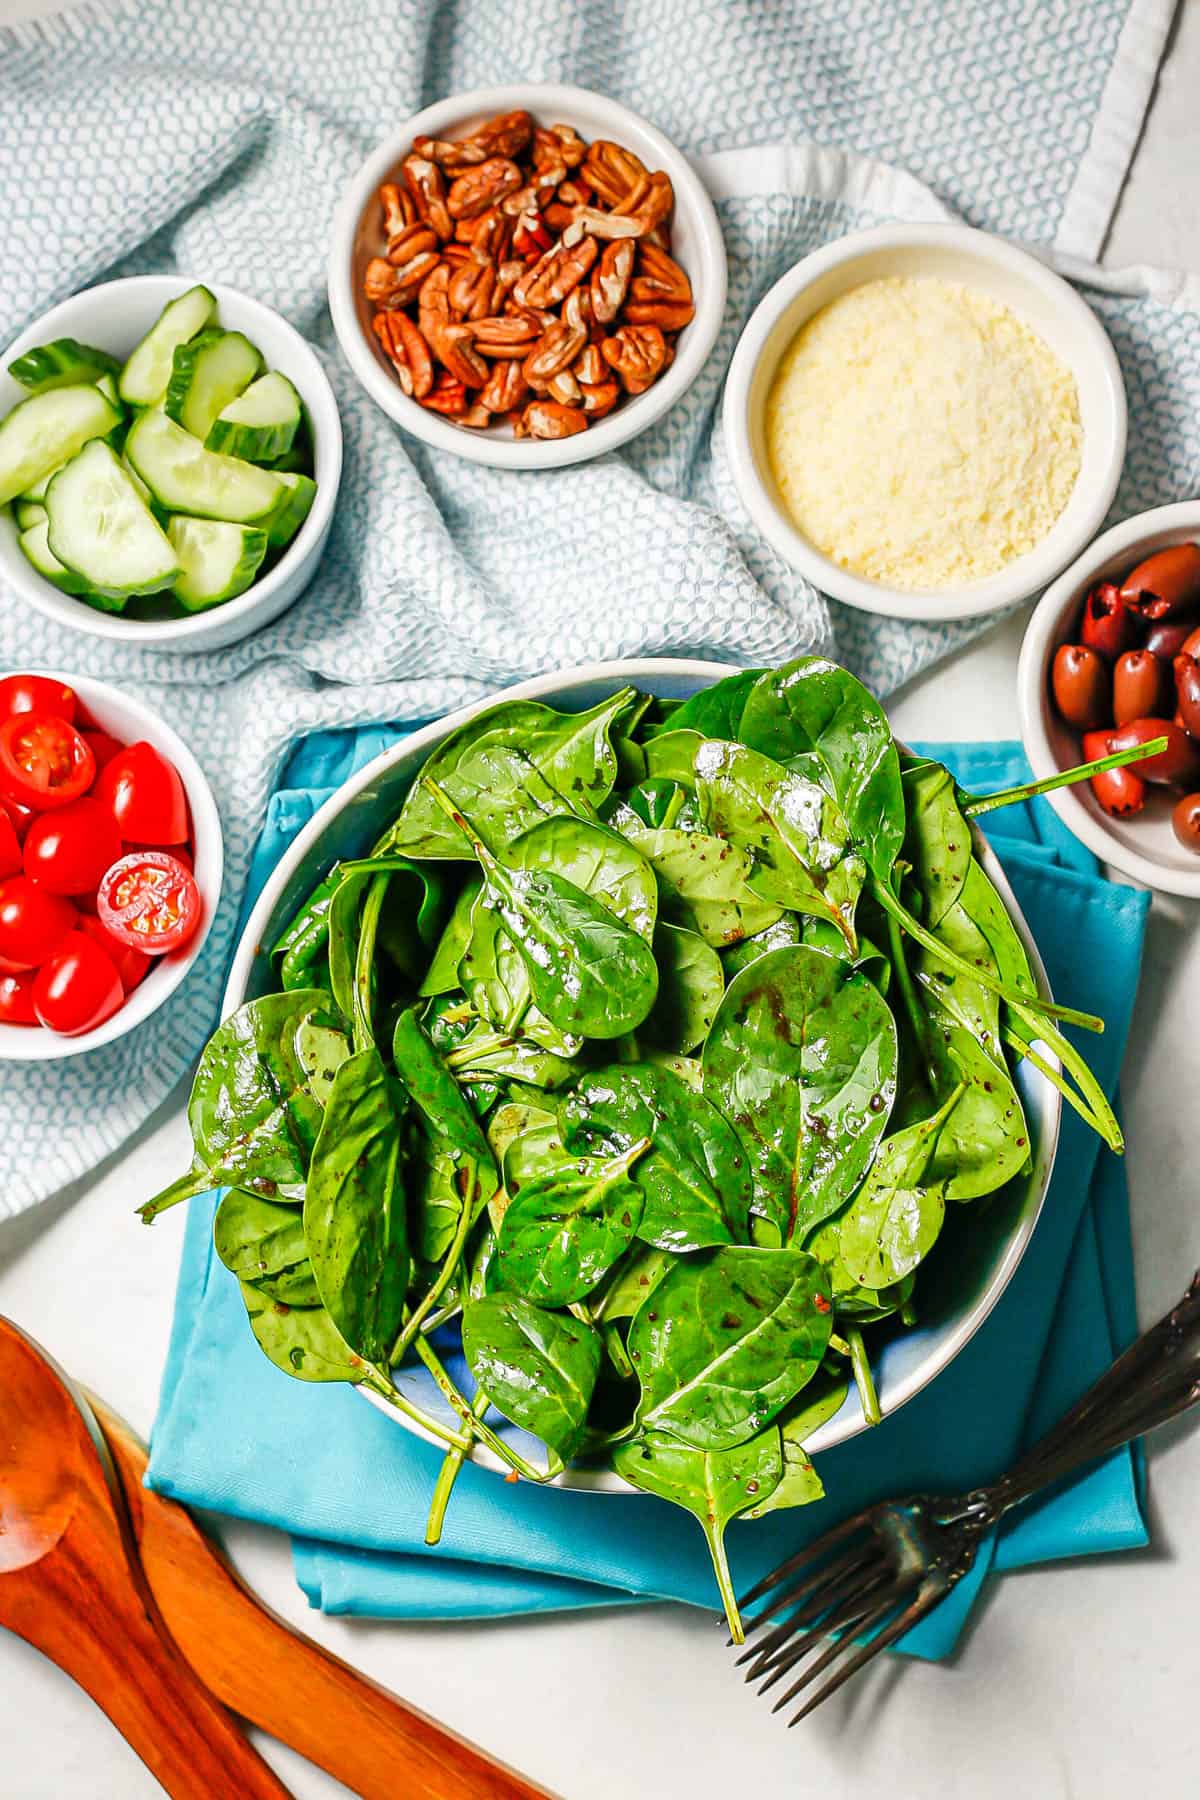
(19, 817)
(33, 923)
(145, 796)
(44, 762)
(131, 965)
(37, 693)
(78, 988)
(10, 847)
(67, 851)
(16, 1000)
(102, 746)
(149, 901)
(181, 852)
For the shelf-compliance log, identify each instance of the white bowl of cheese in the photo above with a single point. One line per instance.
(925, 421)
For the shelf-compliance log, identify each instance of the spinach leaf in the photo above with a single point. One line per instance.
(656, 801)
(263, 1243)
(799, 1484)
(937, 839)
(253, 1112)
(354, 1207)
(802, 1060)
(536, 1153)
(343, 922)
(785, 930)
(565, 1230)
(303, 1341)
(795, 833)
(893, 1221)
(537, 1367)
(703, 882)
(714, 1485)
(991, 919)
(850, 1299)
(812, 705)
(632, 1283)
(301, 945)
(482, 1054)
(691, 982)
(984, 1141)
(672, 757)
(512, 1120)
(454, 1172)
(733, 1335)
(714, 712)
(694, 1177)
(441, 977)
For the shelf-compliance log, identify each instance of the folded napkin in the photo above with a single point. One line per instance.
(215, 138)
(352, 1486)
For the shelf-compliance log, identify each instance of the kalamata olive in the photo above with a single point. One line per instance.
(1187, 692)
(1095, 744)
(1141, 686)
(1109, 624)
(1082, 686)
(1178, 764)
(1119, 791)
(1191, 644)
(1169, 636)
(1185, 822)
(1165, 583)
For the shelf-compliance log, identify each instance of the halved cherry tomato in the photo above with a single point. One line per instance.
(145, 796)
(33, 923)
(67, 851)
(44, 762)
(132, 965)
(16, 1000)
(37, 693)
(102, 746)
(10, 847)
(149, 901)
(78, 988)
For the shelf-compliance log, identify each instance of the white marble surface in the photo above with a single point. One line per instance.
(1073, 1681)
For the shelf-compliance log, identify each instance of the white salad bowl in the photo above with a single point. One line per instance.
(131, 722)
(1143, 846)
(696, 244)
(977, 260)
(351, 820)
(114, 317)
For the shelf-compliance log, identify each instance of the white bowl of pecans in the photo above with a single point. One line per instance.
(526, 276)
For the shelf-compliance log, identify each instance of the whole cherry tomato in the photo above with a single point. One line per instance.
(33, 923)
(37, 693)
(16, 999)
(145, 796)
(19, 817)
(1109, 623)
(44, 761)
(149, 901)
(181, 852)
(78, 988)
(102, 746)
(10, 847)
(132, 965)
(68, 851)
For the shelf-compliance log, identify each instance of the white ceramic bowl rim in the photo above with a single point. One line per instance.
(131, 719)
(560, 685)
(68, 319)
(548, 102)
(1085, 510)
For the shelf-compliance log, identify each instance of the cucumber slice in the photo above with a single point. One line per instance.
(102, 529)
(38, 491)
(299, 493)
(218, 560)
(261, 425)
(145, 376)
(36, 547)
(64, 363)
(47, 430)
(206, 375)
(186, 478)
(28, 513)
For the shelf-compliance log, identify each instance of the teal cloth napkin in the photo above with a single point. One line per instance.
(235, 1435)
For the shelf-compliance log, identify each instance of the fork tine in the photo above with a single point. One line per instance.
(863, 1578)
(789, 1595)
(842, 1618)
(927, 1598)
(809, 1554)
(867, 1619)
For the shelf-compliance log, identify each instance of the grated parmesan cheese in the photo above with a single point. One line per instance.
(921, 435)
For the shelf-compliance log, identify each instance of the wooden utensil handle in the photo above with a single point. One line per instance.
(378, 1746)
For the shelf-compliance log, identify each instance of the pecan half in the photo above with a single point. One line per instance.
(530, 236)
(638, 354)
(433, 302)
(660, 293)
(477, 190)
(550, 419)
(511, 335)
(578, 308)
(599, 397)
(614, 172)
(576, 192)
(560, 270)
(477, 416)
(556, 349)
(654, 207)
(471, 289)
(424, 182)
(608, 283)
(605, 225)
(398, 208)
(558, 217)
(448, 396)
(590, 367)
(410, 241)
(385, 285)
(505, 135)
(505, 388)
(571, 146)
(407, 352)
(493, 234)
(508, 275)
(455, 350)
(564, 388)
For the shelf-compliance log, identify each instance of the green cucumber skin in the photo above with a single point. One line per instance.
(254, 548)
(34, 542)
(28, 513)
(26, 471)
(292, 510)
(151, 358)
(189, 504)
(190, 369)
(262, 440)
(64, 363)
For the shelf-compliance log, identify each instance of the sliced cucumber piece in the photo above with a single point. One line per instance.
(38, 491)
(28, 513)
(186, 478)
(218, 560)
(102, 529)
(206, 375)
(36, 547)
(299, 493)
(261, 425)
(47, 430)
(64, 363)
(145, 376)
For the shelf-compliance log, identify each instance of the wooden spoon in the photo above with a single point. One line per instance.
(71, 1585)
(379, 1747)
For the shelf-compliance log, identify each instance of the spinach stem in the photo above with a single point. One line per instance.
(917, 1016)
(720, 1562)
(973, 805)
(364, 1025)
(445, 1274)
(183, 1189)
(1090, 1102)
(383, 1385)
(476, 1426)
(448, 1475)
(860, 1363)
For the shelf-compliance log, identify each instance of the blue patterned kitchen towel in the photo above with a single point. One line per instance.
(214, 138)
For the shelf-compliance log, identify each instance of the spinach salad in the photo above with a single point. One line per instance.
(651, 1047)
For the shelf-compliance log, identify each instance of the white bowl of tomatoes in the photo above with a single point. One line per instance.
(110, 864)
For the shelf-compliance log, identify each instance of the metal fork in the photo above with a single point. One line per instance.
(856, 1590)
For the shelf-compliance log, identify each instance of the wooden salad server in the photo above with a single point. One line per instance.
(71, 1585)
(378, 1746)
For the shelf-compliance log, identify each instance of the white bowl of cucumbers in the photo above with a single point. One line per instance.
(170, 453)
